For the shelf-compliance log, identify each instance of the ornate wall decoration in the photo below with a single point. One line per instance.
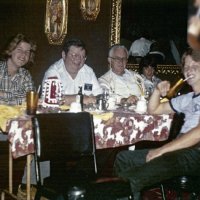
(56, 21)
(90, 9)
(115, 22)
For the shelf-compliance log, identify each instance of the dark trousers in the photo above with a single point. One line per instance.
(132, 166)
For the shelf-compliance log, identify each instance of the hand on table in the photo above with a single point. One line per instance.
(130, 100)
(153, 153)
(89, 100)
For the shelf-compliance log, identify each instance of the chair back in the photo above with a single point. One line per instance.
(64, 136)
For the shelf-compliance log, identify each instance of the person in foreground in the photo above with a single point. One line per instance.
(72, 71)
(180, 156)
(15, 80)
(125, 85)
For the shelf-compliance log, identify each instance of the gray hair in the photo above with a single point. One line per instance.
(116, 46)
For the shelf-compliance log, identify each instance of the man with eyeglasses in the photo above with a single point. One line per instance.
(127, 86)
(72, 71)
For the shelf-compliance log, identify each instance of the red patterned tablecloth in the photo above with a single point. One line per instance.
(112, 129)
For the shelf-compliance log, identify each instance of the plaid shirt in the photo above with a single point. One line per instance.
(13, 89)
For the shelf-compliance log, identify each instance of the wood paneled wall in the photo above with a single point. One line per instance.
(28, 17)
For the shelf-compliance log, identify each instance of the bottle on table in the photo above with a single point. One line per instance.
(80, 96)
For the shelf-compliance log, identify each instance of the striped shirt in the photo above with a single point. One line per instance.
(13, 89)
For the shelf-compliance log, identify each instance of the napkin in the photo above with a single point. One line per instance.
(8, 112)
(64, 107)
(103, 116)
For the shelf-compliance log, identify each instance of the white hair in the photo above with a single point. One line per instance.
(117, 46)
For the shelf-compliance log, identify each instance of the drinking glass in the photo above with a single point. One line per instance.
(31, 102)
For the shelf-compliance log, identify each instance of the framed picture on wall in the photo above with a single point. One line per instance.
(90, 9)
(56, 21)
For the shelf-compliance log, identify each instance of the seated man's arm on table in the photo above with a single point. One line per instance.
(90, 93)
(68, 99)
(186, 140)
(131, 99)
(140, 82)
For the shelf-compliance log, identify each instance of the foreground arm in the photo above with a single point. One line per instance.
(188, 139)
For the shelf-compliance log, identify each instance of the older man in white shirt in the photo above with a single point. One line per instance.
(125, 85)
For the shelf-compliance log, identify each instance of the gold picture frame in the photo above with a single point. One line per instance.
(56, 21)
(90, 9)
(115, 22)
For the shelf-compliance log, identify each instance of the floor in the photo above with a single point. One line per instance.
(18, 166)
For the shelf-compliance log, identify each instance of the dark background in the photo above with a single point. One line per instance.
(28, 17)
(160, 18)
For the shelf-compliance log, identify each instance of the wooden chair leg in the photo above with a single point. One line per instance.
(163, 192)
(2, 195)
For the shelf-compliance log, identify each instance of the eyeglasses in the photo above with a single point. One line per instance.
(119, 60)
(74, 55)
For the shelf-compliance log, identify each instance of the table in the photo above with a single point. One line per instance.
(112, 129)
(127, 128)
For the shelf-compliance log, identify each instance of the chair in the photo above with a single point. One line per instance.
(185, 187)
(63, 139)
(67, 140)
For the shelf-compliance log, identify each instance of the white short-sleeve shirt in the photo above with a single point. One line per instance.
(85, 78)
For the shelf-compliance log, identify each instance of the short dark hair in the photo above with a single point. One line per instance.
(73, 42)
(146, 61)
(195, 54)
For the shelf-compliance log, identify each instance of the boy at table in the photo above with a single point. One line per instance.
(125, 85)
(143, 168)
